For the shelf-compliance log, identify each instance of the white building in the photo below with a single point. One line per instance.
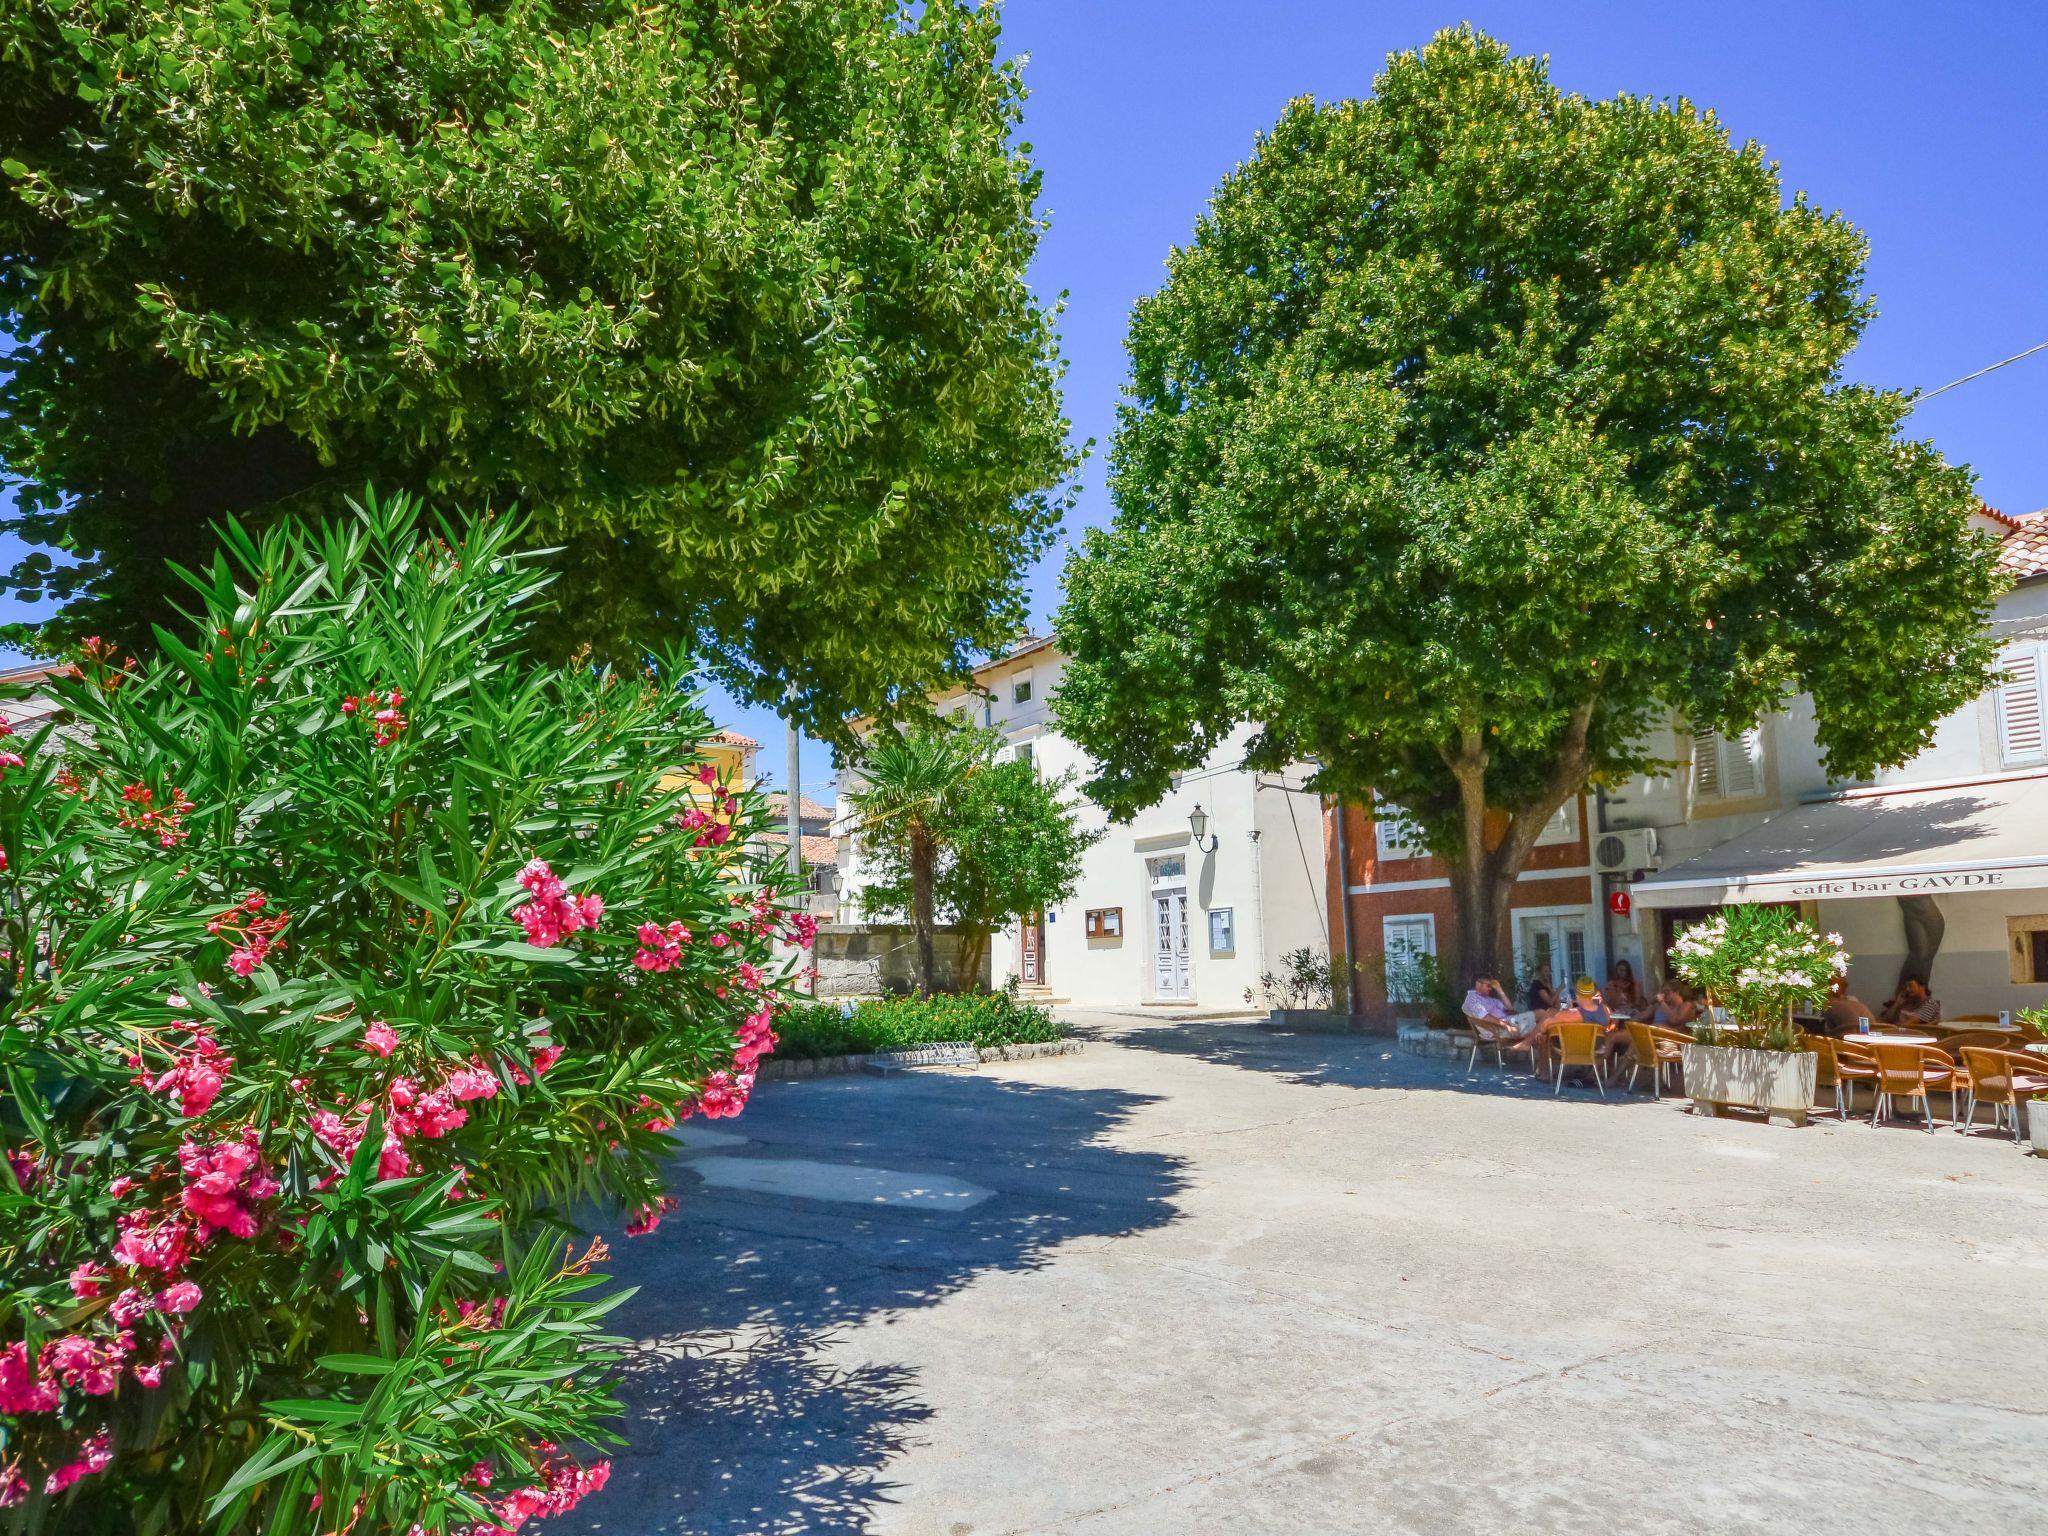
(1939, 866)
(1156, 920)
(1941, 863)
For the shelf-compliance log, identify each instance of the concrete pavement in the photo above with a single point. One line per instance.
(1203, 1279)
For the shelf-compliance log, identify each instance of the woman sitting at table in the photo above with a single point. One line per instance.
(1540, 997)
(1622, 992)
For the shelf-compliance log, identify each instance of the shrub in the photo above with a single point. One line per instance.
(984, 1019)
(1756, 964)
(351, 950)
(1307, 978)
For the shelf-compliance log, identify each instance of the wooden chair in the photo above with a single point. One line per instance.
(1853, 1064)
(2004, 1080)
(1655, 1048)
(1578, 1045)
(1910, 1072)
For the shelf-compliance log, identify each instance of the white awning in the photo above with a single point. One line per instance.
(1934, 839)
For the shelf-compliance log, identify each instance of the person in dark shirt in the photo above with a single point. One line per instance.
(1845, 1011)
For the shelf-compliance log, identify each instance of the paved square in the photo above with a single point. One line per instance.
(1203, 1279)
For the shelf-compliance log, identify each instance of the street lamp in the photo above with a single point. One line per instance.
(1198, 823)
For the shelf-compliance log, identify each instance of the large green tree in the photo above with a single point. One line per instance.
(728, 295)
(1481, 427)
(950, 828)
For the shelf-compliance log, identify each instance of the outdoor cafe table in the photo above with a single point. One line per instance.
(1891, 1039)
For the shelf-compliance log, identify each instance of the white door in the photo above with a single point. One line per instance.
(1169, 929)
(1558, 942)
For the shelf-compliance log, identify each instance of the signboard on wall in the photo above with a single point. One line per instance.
(1619, 904)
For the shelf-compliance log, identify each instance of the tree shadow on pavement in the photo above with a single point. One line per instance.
(828, 1203)
(1354, 1061)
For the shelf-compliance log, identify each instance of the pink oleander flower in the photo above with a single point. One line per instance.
(472, 1082)
(552, 914)
(224, 1183)
(93, 1366)
(180, 1298)
(436, 1114)
(706, 774)
(129, 1305)
(380, 1039)
(198, 1074)
(85, 1280)
(661, 949)
(159, 1240)
(93, 1456)
(22, 1391)
(648, 1217)
(803, 928)
(724, 1094)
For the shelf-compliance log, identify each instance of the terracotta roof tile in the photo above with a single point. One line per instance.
(2024, 551)
(817, 849)
(806, 808)
(735, 739)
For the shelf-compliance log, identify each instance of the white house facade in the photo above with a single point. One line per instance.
(1159, 919)
(1939, 866)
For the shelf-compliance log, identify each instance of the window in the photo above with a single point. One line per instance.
(1024, 752)
(2023, 706)
(1222, 931)
(1728, 767)
(1563, 827)
(1020, 690)
(1407, 941)
(2028, 949)
(1395, 835)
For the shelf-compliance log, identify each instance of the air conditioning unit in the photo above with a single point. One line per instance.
(1625, 852)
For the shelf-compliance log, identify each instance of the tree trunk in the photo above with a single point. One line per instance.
(923, 856)
(1483, 877)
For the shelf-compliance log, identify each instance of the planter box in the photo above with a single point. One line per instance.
(1323, 1021)
(1778, 1083)
(2037, 1126)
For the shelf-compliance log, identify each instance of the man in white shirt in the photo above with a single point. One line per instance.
(1486, 1000)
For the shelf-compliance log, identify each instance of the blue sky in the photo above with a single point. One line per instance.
(1925, 124)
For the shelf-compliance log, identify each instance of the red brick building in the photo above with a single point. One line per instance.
(1399, 902)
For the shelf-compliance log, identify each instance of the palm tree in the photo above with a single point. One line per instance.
(909, 779)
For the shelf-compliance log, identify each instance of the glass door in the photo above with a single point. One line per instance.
(1556, 944)
(1170, 969)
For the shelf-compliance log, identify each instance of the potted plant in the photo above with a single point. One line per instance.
(2034, 1023)
(1755, 965)
(1307, 994)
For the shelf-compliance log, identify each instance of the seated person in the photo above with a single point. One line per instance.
(1673, 1009)
(1844, 1010)
(1540, 997)
(1489, 1000)
(1911, 1004)
(1623, 993)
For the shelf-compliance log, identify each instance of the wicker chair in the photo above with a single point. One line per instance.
(2004, 1080)
(1654, 1049)
(1853, 1064)
(1578, 1045)
(1497, 1036)
(1910, 1072)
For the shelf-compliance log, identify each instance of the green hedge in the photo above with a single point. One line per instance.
(811, 1030)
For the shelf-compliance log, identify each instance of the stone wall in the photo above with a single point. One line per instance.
(876, 959)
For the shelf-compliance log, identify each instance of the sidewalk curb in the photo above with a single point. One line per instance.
(772, 1070)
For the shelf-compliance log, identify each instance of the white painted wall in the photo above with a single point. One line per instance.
(1266, 868)
(1971, 970)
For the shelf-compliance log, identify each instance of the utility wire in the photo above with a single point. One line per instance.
(1952, 383)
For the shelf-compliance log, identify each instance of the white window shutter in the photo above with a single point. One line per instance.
(1706, 764)
(1742, 771)
(2021, 735)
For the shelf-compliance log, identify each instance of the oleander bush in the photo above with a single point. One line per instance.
(984, 1019)
(350, 952)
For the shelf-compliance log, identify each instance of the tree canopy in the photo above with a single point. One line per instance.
(1480, 427)
(727, 295)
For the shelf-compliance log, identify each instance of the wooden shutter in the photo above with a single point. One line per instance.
(2020, 724)
(1742, 766)
(1706, 764)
